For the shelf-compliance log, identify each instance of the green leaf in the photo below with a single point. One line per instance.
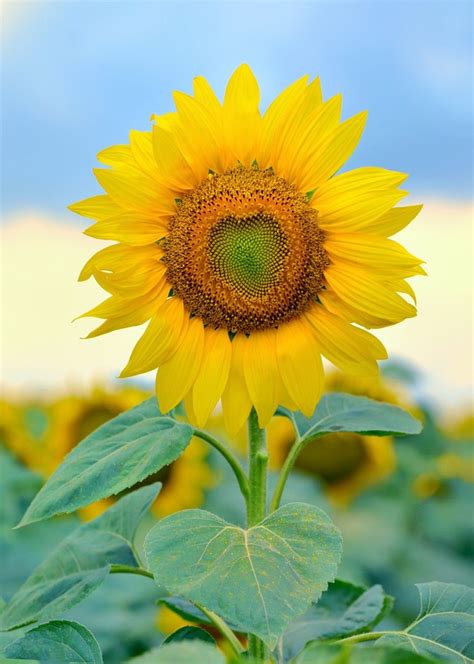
(185, 609)
(186, 652)
(56, 642)
(259, 579)
(189, 633)
(444, 626)
(188, 611)
(345, 412)
(80, 563)
(321, 653)
(118, 455)
(343, 610)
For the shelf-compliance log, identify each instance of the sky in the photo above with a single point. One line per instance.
(77, 76)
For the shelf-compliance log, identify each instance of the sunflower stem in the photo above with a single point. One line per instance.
(229, 457)
(258, 461)
(256, 504)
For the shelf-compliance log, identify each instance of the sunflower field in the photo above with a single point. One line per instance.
(277, 467)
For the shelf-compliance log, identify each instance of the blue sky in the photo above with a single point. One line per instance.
(78, 75)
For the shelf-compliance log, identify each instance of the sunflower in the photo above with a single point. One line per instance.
(249, 258)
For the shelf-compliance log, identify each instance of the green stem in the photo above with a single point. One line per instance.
(256, 504)
(224, 629)
(229, 457)
(360, 638)
(285, 471)
(214, 618)
(128, 569)
(258, 461)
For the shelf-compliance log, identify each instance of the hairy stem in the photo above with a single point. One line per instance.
(223, 628)
(256, 504)
(229, 457)
(258, 460)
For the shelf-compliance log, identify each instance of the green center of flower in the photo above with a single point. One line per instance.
(248, 252)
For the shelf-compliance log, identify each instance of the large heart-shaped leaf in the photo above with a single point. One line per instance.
(343, 610)
(345, 412)
(444, 627)
(258, 579)
(119, 454)
(80, 563)
(58, 641)
(186, 652)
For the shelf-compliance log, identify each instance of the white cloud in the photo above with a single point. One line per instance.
(43, 349)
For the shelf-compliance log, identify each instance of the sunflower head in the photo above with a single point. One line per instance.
(247, 254)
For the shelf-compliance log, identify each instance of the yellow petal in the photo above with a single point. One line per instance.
(395, 220)
(127, 312)
(306, 135)
(313, 97)
(160, 339)
(277, 120)
(116, 155)
(351, 349)
(133, 228)
(141, 144)
(204, 94)
(115, 306)
(364, 293)
(213, 373)
(236, 402)
(383, 256)
(96, 207)
(176, 377)
(189, 408)
(300, 364)
(118, 257)
(137, 280)
(241, 116)
(172, 166)
(354, 200)
(136, 193)
(401, 286)
(328, 158)
(333, 303)
(200, 146)
(261, 373)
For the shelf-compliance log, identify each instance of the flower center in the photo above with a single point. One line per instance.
(248, 252)
(335, 458)
(244, 251)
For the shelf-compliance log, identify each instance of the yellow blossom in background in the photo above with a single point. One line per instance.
(184, 481)
(23, 428)
(40, 435)
(345, 463)
(245, 252)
